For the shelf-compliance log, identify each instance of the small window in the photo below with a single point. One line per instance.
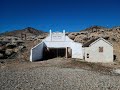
(100, 49)
(87, 55)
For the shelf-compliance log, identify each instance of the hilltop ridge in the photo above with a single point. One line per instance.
(29, 31)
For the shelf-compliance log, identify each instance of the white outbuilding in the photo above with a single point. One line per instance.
(98, 50)
(57, 44)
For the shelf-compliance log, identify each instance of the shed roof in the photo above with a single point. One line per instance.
(94, 41)
(89, 42)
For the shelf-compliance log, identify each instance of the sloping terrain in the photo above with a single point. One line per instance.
(14, 45)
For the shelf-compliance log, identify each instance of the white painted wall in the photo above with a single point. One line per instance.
(76, 50)
(37, 52)
(62, 39)
(57, 44)
(76, 47)
(96, 56)
(56, 40)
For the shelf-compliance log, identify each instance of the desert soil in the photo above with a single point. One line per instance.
(57, 74)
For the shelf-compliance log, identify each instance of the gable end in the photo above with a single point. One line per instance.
(99, 40)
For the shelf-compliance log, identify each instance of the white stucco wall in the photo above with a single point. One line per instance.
(37, 52)
(77, 50)
(57, 44)
(56, 40)
(76, 47)
(96, 56)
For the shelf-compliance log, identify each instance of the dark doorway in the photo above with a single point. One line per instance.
(50, 53)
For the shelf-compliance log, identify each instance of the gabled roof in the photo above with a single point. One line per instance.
(94, 41)
(88, 43)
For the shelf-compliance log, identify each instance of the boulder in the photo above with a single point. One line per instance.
(9, 51)
(21, 47)
(71, 36)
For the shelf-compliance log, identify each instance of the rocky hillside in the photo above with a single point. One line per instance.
(13, 43)
(29, 31)
(110, 34)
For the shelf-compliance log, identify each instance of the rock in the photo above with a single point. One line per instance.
(71, 36)
(9, 51)
(14, 43)
(21, 47)
(16, 50)
(1, 55)
(10, 46)
(117, 71)
(1, 48)
(2, 62)
(80, 38)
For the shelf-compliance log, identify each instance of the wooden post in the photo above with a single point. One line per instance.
(66, 53)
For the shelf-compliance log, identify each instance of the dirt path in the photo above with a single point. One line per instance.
(56, 74)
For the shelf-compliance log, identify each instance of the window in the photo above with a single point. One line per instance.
(87, 55)
(100, 49)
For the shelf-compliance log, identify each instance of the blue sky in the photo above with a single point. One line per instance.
(71, 15)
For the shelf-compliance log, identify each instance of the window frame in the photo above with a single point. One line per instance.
(101, 49)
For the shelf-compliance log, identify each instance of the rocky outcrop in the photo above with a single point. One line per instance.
(111, 34)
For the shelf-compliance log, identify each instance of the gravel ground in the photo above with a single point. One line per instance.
(54, 75)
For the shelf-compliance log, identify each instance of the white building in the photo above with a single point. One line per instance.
(57, 44)
(98, 50)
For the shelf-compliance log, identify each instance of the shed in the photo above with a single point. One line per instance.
(98, 50)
